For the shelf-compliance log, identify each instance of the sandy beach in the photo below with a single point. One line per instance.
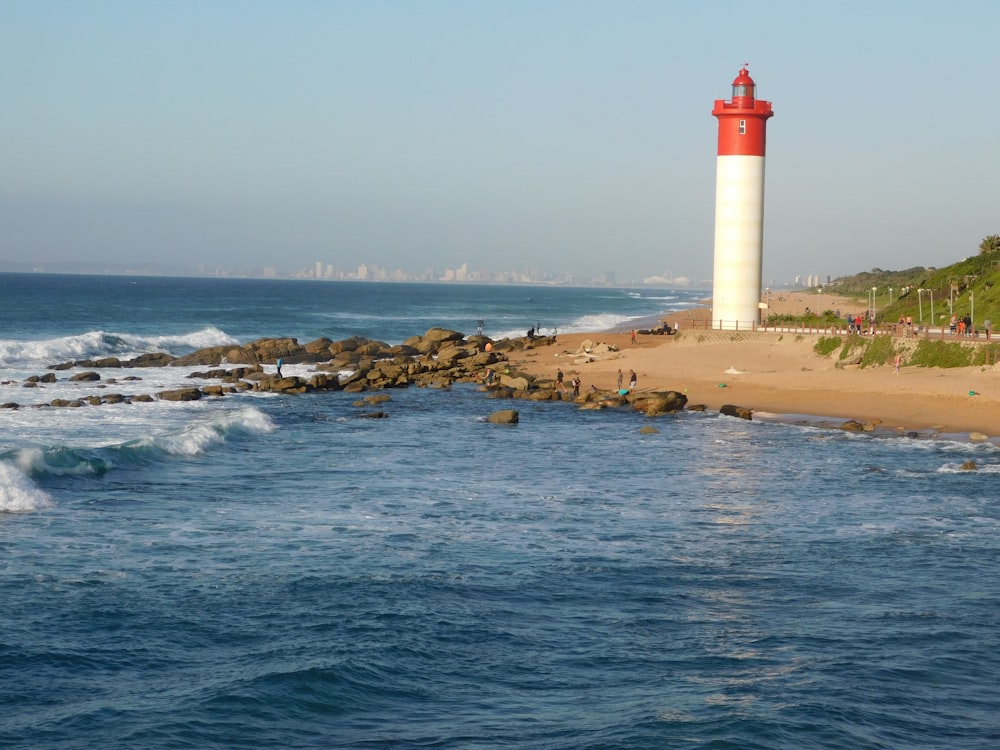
(779, 374)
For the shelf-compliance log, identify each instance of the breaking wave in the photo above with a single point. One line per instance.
(23, 465)
(96, 344)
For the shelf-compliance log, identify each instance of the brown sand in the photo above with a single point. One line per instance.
(780, 374)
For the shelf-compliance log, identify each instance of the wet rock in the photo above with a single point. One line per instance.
(731, 410)
(180, 394)
(504, 416)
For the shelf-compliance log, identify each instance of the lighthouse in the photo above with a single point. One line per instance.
(739, 205)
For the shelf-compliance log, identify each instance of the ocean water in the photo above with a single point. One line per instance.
(274, 571)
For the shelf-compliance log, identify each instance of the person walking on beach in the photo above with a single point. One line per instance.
(633, 335)
(620, 378)
(632, 381)
(280, 363)
(899, 360)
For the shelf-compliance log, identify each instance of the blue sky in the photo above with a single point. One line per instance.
(567, 136)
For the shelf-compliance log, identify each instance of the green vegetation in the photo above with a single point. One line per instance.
(953, 354)
(852, 342)
(880, 351)
(930, 296)
(827, 345)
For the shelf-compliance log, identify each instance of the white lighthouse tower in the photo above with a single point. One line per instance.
(739, 206)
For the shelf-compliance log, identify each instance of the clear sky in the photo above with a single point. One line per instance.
(569, 136)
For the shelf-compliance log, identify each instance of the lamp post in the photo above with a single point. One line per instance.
(972, 313)
(890, 296)
(871, 309)
(931, 292)
(920, 304)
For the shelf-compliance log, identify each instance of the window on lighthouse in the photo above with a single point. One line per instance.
(743, 127)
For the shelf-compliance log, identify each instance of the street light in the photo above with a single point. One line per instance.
(920, 304)
(890, 296)
(931, 292)
(871, 308)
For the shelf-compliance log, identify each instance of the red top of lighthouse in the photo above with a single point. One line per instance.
(742, 119)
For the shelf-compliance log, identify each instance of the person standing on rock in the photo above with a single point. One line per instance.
(280, 363)
(559, 380)
(620, 378)
(632, 381)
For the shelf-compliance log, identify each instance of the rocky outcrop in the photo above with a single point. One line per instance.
(730, 410)
(656, 403)
(504, 416)
(439, 359)
(180, 394)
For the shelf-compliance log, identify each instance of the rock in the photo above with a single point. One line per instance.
(64, 402)
(86, 376)
(378, 398)
(659, 402)
(730, 410)
(518, 383)
(978, 437)
(152, 359)
(852, 361)
(504, 416)
(647, 430)
(180, 394)
(440, 335)
(969, 465)
(318, 346)
(853, 425)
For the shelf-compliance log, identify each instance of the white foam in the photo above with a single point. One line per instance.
(197, 438)
(96, 344)
(18, 494)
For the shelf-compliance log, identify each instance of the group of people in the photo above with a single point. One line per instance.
(633, 380)
(964, 327)
(575, 383)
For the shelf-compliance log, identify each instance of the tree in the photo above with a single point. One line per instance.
(990, 244)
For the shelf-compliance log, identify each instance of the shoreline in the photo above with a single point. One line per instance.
(779, 375)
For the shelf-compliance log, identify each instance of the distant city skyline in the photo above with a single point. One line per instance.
(570, 138)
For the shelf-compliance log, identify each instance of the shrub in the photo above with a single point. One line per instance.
(827, 345)
(852, 342)
(880, 351)
(942, 354)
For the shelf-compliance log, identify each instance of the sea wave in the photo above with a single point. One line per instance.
(191, 440)
(96, 344)
(18, 494)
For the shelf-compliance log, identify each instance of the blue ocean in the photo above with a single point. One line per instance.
(272, 571)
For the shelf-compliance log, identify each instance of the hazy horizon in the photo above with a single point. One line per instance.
(568, 137)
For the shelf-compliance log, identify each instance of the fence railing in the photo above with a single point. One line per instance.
(842, 329)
